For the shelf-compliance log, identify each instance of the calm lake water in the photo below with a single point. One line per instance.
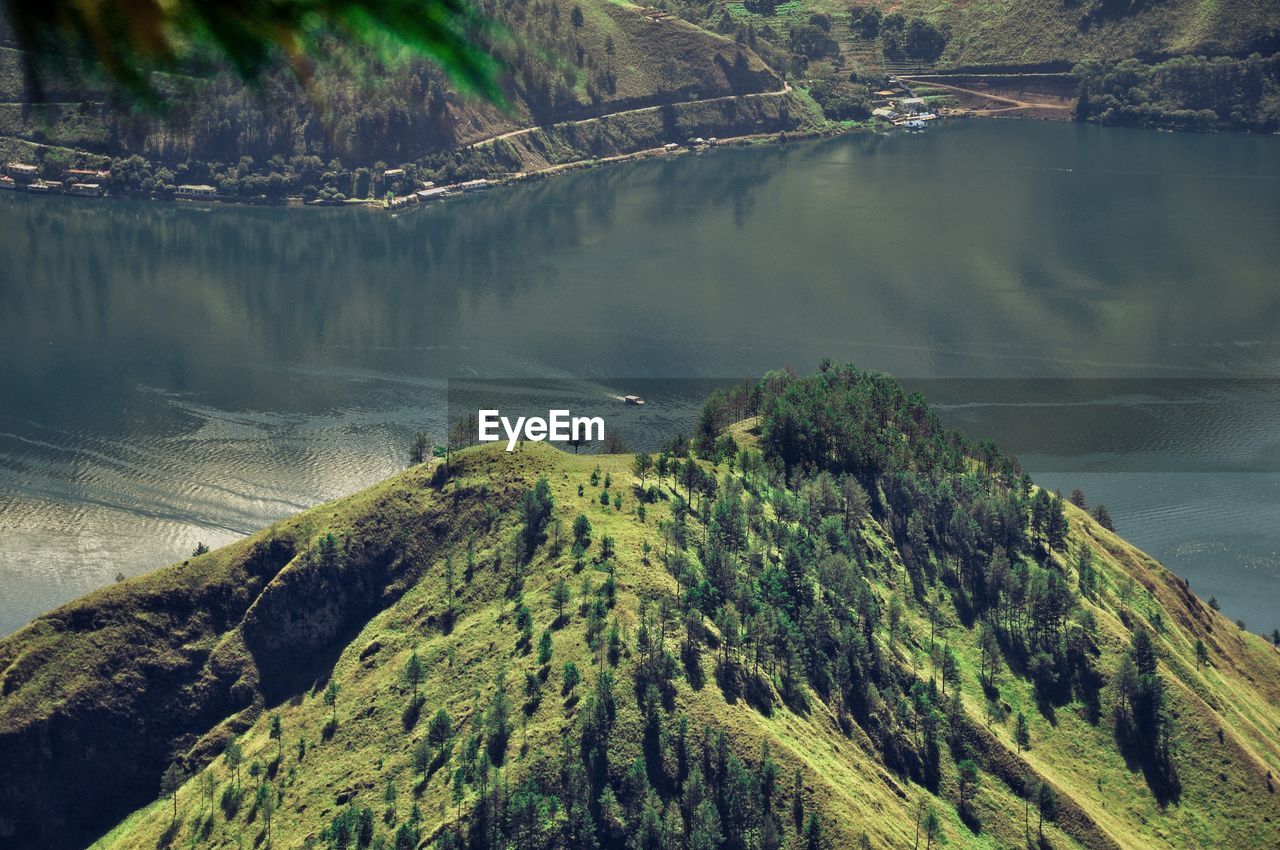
(172, 374)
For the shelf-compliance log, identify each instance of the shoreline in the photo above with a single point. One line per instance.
(816, 127)
(406, 204)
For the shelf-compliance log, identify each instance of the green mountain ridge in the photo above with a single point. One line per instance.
(916, 634)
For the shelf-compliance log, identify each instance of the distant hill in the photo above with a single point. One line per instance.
(1026, 33)
(838, 625)
(568, 61)
(608, 77)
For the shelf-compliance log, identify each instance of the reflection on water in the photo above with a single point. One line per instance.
(1165, 425)
(171, 374)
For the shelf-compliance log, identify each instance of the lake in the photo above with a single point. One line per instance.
(171, 373)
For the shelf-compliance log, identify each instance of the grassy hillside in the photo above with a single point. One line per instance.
(715, 68)
(566, 61)
(295, 650)
(1026, 32)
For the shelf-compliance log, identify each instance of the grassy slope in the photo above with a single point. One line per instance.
(653, 62)
(1225, 799)
(181, 658)
(1026, 32)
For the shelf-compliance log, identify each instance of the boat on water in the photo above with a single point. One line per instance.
(633, 399)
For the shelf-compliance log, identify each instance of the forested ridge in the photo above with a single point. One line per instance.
(822, 621)
(1184, 93)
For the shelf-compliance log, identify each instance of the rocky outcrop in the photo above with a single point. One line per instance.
(98, 696)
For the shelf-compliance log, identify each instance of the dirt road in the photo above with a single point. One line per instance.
(511, 134)
(1012, 104)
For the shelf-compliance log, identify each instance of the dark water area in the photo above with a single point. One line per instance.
(171, 373)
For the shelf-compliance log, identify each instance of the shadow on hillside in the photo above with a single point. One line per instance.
(796, 700)
(165, 838)
(737, 683)
(655, 767)
(1157, 769)
(412, 711)
(691, 656)
(445, 622)
(727, 678)
(971, 819)
(286, 673)
(759, 694)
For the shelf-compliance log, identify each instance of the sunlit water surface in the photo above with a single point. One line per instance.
(172, 374)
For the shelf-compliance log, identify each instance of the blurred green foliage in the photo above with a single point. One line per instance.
(127, 41)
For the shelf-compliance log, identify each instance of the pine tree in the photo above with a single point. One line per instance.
(208, 785)
(1047, 805)
(421, 758)
(1086, 574)
(535, 507)
(234, 755)
(440, 729)
(172, 779)
(413, 672)
(932, 827)
(458, 791)
(767, 777)
(561, 596)
(570, 677)
(544, 647)
(950, 669)
(1022, 732)
(1103, 516)
(1056, 523)
(498, 720)
(331, 700)
(704, 827)
(989, 647)
(267, 807)
(420, 449)
(813, 833)
(276, 732)
(642, 466)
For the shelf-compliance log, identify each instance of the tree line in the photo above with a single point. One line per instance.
(1185, 93)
